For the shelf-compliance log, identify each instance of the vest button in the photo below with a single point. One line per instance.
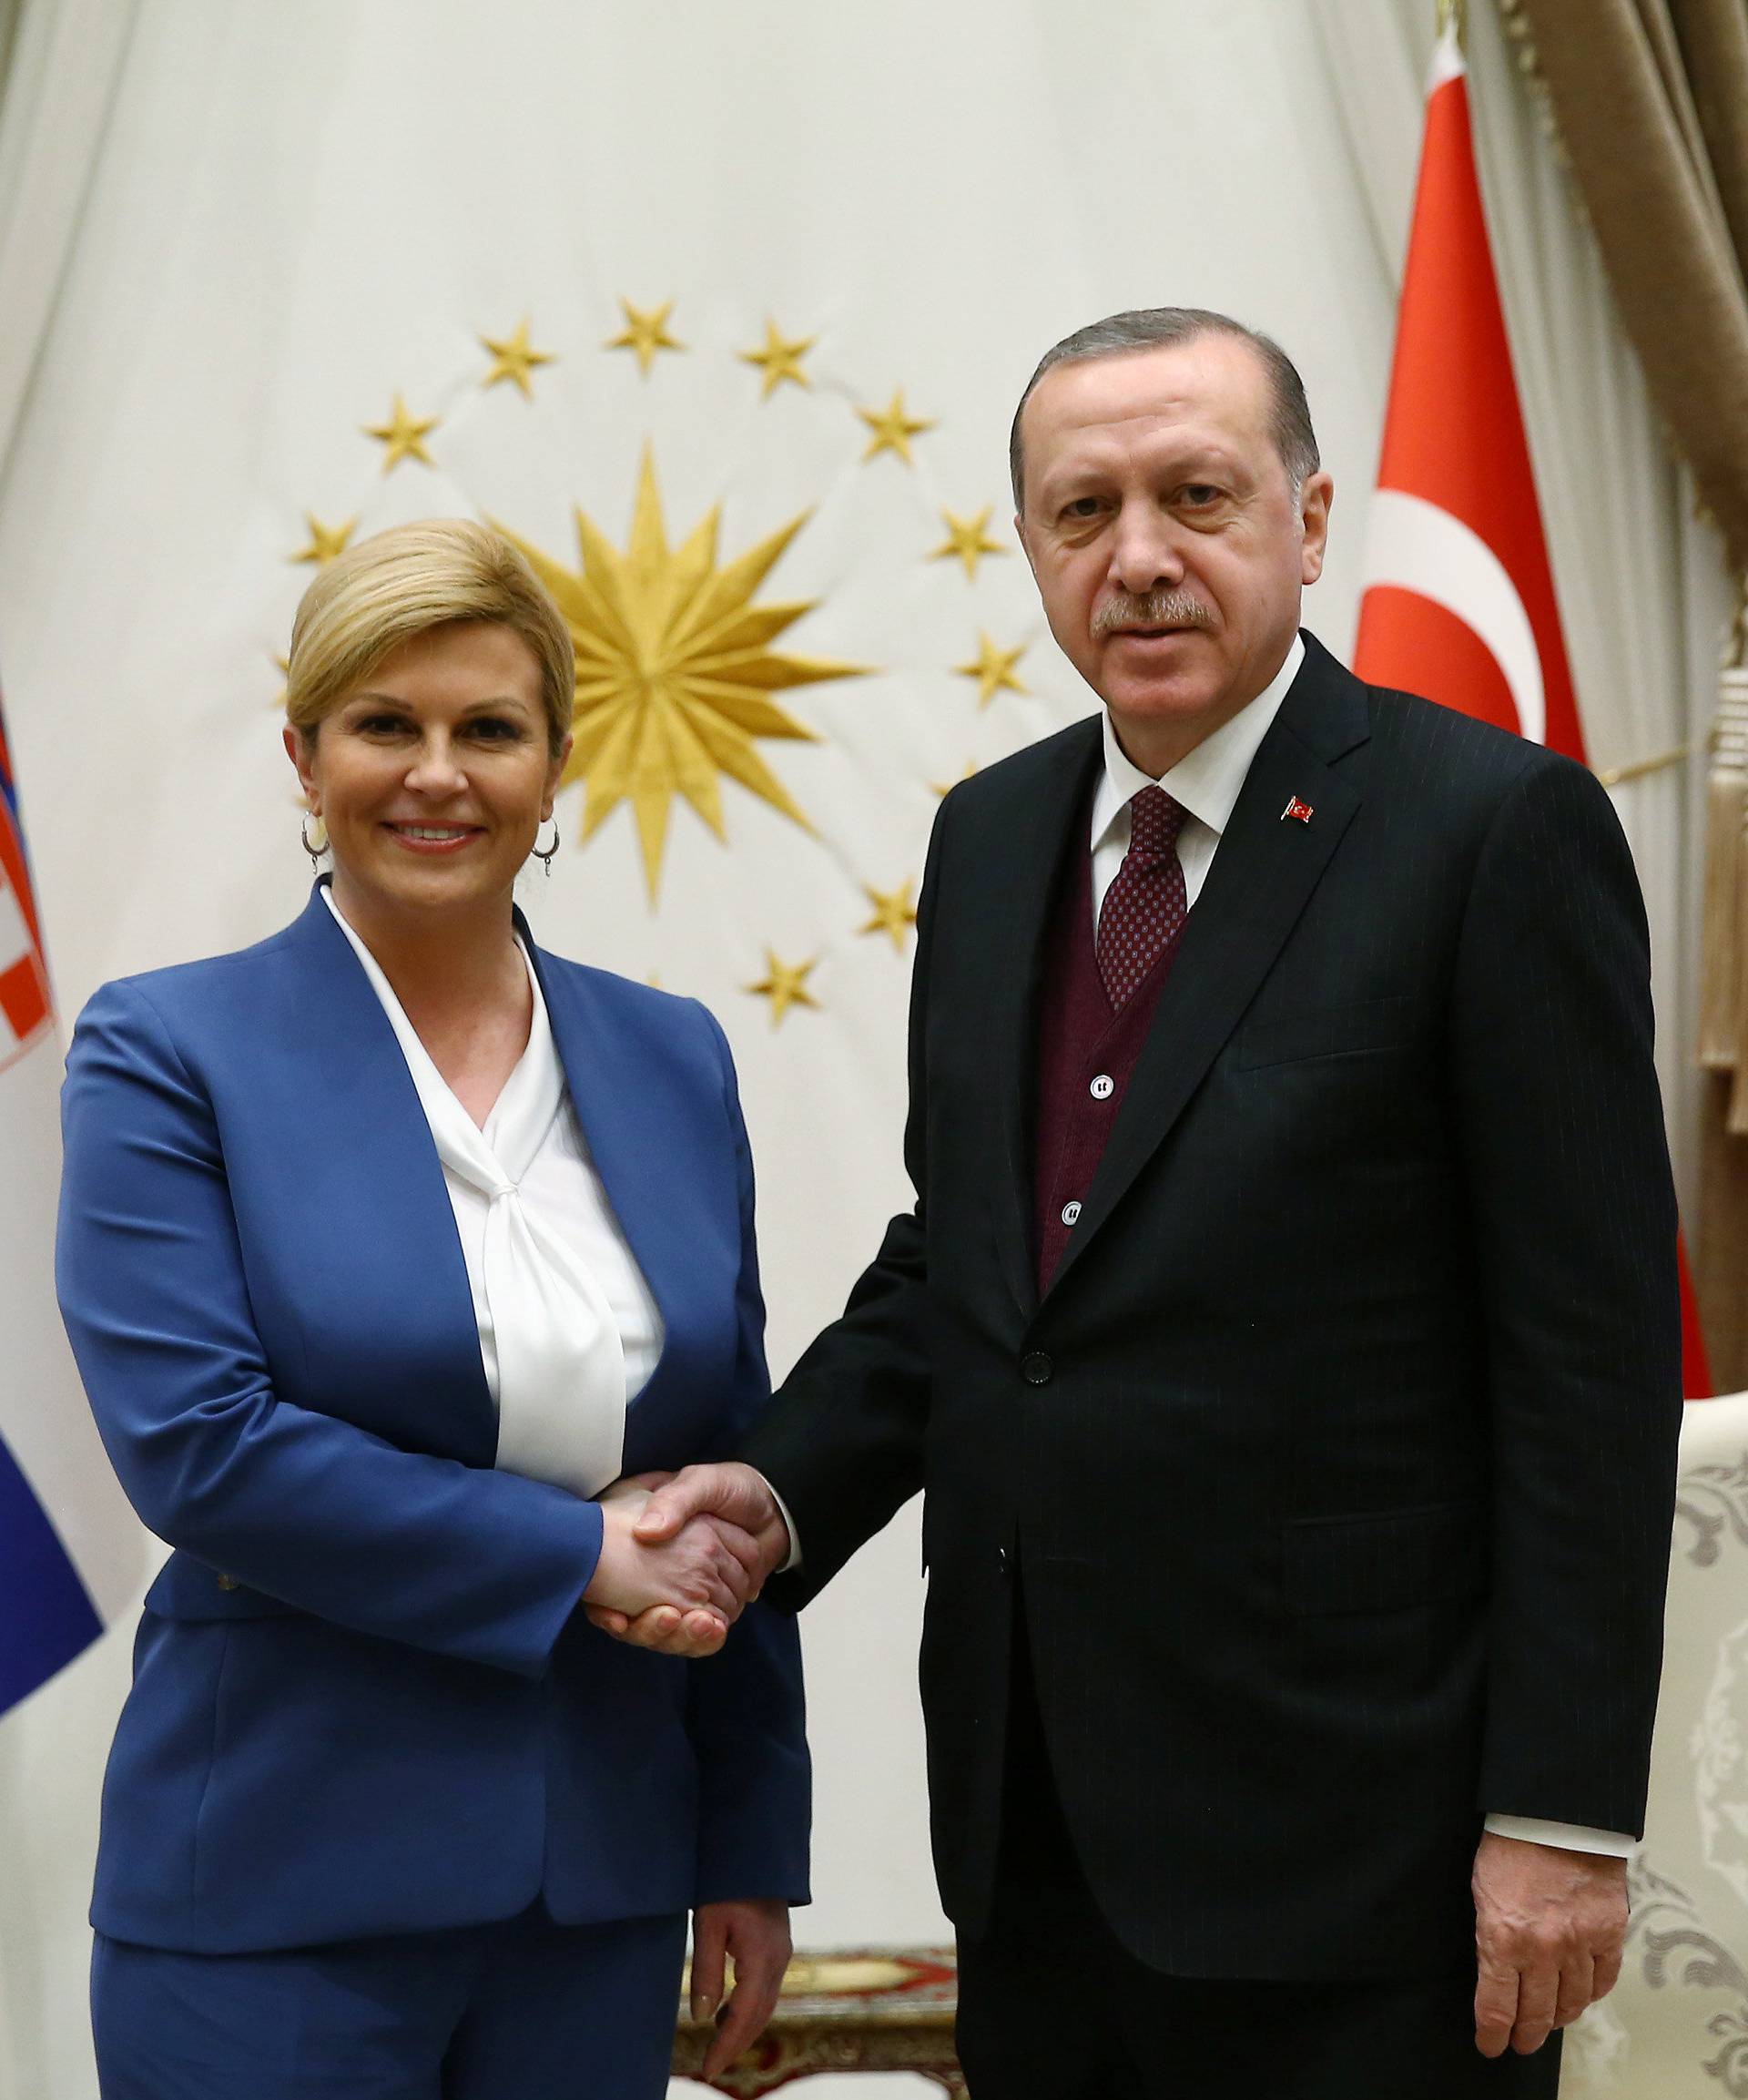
(1071, 1214)
(1102, 1088)
(1036, 1368)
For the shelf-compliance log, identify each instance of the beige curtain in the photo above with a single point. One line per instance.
(10, 11)
(59, 64)
(1650, 101)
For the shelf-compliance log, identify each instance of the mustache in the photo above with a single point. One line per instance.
(1156, 609)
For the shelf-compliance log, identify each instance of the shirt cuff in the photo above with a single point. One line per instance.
(794, 1559)
(1571, 1837)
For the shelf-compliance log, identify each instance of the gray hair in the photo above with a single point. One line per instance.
(1156, 328)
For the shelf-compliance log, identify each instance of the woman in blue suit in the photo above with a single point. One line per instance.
(387, 1246)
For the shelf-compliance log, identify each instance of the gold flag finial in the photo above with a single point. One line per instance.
(1454, 15)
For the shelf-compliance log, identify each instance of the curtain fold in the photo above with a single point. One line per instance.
(1651, 100)
(11, 11)
(60, 61)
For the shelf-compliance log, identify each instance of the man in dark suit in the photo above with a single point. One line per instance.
(1285, 1333)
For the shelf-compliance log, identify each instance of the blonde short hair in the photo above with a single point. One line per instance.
(404, 582)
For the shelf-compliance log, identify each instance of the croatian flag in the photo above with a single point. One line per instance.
(72, 1552)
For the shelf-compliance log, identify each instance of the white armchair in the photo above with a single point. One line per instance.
(1676, 2027)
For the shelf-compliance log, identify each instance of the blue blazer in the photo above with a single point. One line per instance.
(364, 1698)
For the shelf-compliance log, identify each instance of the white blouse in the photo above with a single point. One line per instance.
(569, 1331)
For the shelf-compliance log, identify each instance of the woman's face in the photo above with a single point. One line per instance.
(434, 777)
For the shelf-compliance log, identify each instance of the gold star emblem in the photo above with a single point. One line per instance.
(674, 673)
(968, 539)
(993, 670)
(785, 984)
(893, 430)
(645, 331)
(894, 913)
(945, 788)
(779, 360)
(403, 435)
(514, 358)
(325, 541)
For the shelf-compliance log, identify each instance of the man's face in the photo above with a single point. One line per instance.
(1161, 529)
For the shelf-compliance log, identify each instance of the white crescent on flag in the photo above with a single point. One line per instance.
(1414, 546)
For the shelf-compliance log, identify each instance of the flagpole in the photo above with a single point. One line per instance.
(1453, 16)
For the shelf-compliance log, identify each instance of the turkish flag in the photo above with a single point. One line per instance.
(1460, 598)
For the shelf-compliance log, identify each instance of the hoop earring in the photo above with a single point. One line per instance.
(314, 851)
(545, 858)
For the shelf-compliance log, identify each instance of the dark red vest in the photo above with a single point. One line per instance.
(1086, 1055)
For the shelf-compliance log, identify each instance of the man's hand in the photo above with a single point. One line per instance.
(731, 1495)
(696, 1574)
(756, 1933)
(1550, 1925)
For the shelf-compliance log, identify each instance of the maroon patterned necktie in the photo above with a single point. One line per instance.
(1145, 908)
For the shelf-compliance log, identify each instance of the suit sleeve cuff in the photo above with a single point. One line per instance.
(1569, 1837)
(794, 1556)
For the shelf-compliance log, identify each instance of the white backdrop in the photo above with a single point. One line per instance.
(293, 214)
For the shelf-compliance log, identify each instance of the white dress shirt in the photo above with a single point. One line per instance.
(1205, 781)
(569, 1331)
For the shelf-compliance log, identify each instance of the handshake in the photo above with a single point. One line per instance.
(681, 1554)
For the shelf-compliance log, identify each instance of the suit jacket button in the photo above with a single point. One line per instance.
(1003, 1562)
(229, 1583)
(1036, 1368)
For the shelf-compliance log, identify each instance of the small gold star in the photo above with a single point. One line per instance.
(893, 430)
(893, 913)
(968, 539)
(645, 331)
(945, 788)
(785, 984)
(779, 360)
(325, 541)
(515, 359)
(993, 670)
(403, 435)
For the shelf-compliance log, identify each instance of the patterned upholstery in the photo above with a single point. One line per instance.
(1676, 2027)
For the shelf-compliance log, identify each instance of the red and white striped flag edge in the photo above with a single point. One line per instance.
(71, 1554)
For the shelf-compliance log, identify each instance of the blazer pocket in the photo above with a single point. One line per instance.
(1386, 1560)
(187, 1588)
(1326, 1031)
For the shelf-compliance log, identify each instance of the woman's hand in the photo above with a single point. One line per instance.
(731, 1493)
(706, 1571)
(756, 1933)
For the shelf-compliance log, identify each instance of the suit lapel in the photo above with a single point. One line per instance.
(1026, 860)
(1262, 878)
(372, 1134)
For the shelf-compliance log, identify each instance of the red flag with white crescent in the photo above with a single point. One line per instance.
(1459, 596)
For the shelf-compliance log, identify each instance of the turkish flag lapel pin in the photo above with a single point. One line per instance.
(1299, 811)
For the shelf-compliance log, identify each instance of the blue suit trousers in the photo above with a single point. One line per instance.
(521, 2009)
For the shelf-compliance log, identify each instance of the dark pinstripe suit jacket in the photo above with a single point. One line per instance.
(1339, 1452)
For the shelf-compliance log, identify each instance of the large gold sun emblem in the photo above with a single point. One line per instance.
(675, 672)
